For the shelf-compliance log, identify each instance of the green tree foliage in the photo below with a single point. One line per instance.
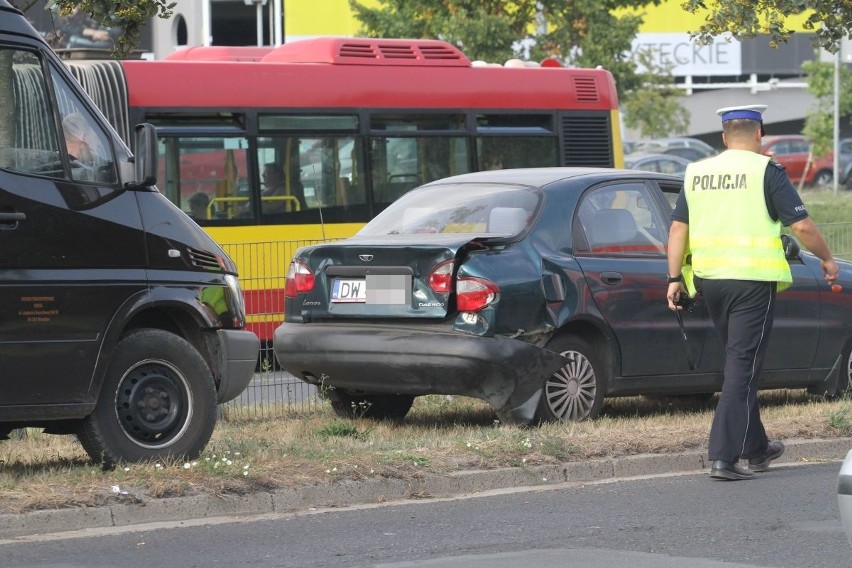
(129, 15)
(654, 108)
(819, 123)
(830, 20)
(582, 33)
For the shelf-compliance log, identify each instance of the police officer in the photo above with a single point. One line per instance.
(725, 243)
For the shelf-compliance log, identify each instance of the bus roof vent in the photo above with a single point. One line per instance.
(369, 51)
(587, 89)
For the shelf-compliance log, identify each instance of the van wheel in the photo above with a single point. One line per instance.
(576, 391)
(158, 401)
(375, 406)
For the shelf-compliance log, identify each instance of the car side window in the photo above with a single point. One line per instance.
(622, 219)
(670, 192)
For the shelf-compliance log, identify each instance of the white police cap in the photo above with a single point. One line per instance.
(750, 112)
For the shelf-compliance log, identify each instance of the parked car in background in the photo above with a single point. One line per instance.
(844, 495)
(793, 151)
(540, 291)
(690, 148)
(845, 179)
(652, 162)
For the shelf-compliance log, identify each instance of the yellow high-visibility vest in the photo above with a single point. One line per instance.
(731, 235)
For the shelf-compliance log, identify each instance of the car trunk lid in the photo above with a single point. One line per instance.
(374, 277)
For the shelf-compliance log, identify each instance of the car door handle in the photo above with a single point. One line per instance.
(611, 278)
(10, 220)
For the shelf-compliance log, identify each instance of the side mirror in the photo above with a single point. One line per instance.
(146, 156)
(791, 247)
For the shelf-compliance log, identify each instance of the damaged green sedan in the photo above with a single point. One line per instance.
(540, 291)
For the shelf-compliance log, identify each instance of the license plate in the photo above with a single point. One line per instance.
(375, 289)
(349, 290)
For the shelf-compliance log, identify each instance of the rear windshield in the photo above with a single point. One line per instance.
(483, 209)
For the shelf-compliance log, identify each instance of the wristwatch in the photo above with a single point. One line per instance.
(678, 278)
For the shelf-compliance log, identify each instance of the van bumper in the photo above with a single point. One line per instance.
(238, 351)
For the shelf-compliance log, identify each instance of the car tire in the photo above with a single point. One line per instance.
(374, 406)
(576, 391)
(844, 381)
(157, 401)
(823, 178)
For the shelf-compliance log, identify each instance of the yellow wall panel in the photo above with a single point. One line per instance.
(670, 17)
(321, 17)
(334, 17)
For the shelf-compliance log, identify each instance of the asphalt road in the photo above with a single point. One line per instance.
(788, 517)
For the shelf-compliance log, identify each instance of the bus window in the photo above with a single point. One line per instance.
(403, 163)
(516, 141)
(305, 174)
(215, 166)
(497, 153)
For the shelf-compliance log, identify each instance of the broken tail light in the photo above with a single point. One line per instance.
(299, 280)
(474, 294)
(441, 278)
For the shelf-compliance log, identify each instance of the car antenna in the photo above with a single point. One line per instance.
(322, 223)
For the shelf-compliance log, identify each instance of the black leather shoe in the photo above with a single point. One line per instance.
(773, 452)
(729, 471)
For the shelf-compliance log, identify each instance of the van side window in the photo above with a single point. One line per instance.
(87, 144)
(29, 142)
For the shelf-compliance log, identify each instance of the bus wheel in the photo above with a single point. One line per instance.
(157, 401)
(375, 406)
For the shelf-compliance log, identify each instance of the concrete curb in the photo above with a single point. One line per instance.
(292, 499)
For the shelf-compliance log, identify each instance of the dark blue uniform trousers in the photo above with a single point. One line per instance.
(742, 311)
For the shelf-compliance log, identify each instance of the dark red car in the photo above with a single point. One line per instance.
(792, 152)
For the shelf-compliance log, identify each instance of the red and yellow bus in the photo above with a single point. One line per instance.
(350, 124)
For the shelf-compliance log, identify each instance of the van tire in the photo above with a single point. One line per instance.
(157, 402)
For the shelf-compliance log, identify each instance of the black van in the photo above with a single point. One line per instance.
(121, 321)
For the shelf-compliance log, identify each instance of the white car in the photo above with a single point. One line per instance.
(844, 495)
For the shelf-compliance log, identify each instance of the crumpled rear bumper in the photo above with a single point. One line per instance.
(428, 359)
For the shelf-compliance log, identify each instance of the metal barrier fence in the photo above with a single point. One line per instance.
(263, 270)
(839, 238)
(274, 393)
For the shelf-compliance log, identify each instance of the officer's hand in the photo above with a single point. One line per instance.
(674, 292)
(830, 270)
